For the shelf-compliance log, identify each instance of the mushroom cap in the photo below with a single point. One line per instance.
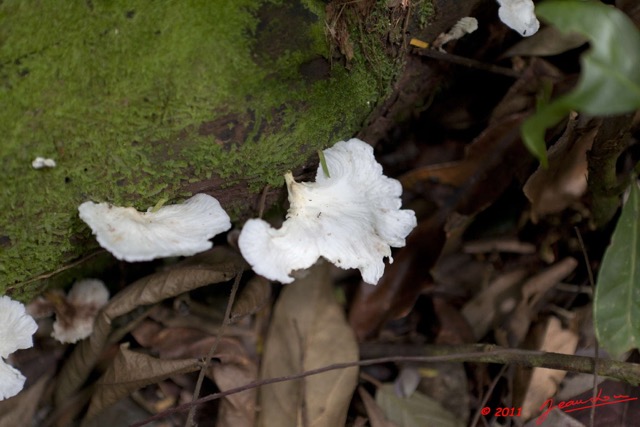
(16, 330)
(11, 380)
(176, 230)
(519, 15)
(16, 327)
(351, 219)
(87, 297)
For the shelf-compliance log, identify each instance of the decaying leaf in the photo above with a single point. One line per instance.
(553, 189)
(546, 42)
(374, 412)
(130, 371)
(236, 368)
(616, 307)
(516, 325)
(493, 303)
(544, 382)
(213, 266)
(231, 366)
(22, 407)
(308, 330)
(253, 297)
(417, 410)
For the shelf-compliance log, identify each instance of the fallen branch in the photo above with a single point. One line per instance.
(477, 353)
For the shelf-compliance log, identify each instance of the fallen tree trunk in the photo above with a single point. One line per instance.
(150, 102)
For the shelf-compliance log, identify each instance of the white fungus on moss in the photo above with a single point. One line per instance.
(519, 15)
(16, 332)
(351, 218)
(41, 162)
(176, 230)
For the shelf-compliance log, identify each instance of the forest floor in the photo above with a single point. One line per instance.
(484, 318)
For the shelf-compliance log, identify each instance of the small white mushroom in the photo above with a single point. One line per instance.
(175, 230)
(75, 313)
(519, 15)
(16, 331)
(464, 26)
(41, 162)
(351, 219)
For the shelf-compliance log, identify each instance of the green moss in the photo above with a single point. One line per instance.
(424, 12)
(136, 99)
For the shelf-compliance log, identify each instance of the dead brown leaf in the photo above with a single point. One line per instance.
(20, 409)
(544, 382)
(557, 187)
(308, 330)
(493, 303)
(255, 295)
(546, 42)
(215, 266)
(517, 324)
(234, 369)
(130, 371)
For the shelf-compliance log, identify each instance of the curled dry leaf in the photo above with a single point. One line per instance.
(214, 266)
(130, 371)
(487, 307)
(254, 296)
(518, 322)
(553, 189)
(308, 331)
(546, 42)
(544, 382)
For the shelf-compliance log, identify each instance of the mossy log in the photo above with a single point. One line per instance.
(142, 101)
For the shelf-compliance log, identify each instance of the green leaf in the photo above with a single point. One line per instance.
(616, 308)
(610, 79)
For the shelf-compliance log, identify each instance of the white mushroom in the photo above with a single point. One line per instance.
(75, 313)
(175, 230)
(519, 15)
(351, 219)
(464, 26)
(16, 330)
(41, 162)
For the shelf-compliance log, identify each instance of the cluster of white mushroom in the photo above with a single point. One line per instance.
(519, 15)
(351, 218)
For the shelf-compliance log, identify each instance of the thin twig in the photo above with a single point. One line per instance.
(592, 417)
(487, 395)
(213, 348)
(263, 200)
(478, 353)
(467, 62)
(60, 270)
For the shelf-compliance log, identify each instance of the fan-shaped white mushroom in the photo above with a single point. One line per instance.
(519, 15)
(75, 313)
(16, 330)
(351, 219)
(175, 230)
